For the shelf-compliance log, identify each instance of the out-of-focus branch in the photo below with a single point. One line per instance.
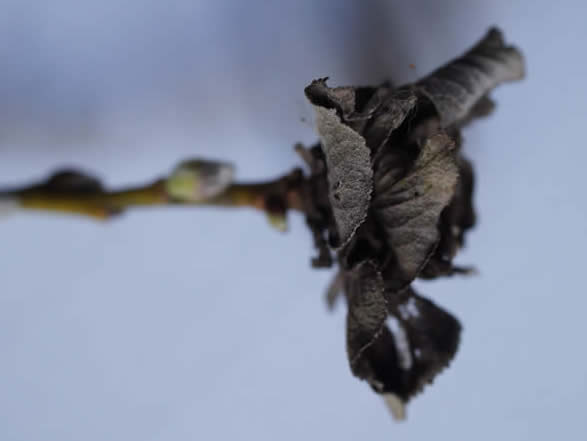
(193, 183)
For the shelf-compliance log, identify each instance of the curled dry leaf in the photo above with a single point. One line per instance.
(400, 202)
(457, 87)
(456, 219)
(397, 343)
(408, 209)
(367, 309)
(418, 341)
(350, 176)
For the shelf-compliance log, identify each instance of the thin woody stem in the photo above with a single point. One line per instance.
(100, 205)
(277, 195)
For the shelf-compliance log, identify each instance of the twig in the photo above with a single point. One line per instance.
(273, 197)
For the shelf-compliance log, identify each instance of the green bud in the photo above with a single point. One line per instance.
(199, 180)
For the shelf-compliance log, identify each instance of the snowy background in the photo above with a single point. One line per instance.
(185, 324)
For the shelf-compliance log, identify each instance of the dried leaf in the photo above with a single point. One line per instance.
(319, 217)
(417, 342)
(456, 219)
(373, 112)
(400, 193)
(342, 99)
(350, 177)
(408, 207)
(433, 334)
(342, 115)
(457, 87)
(482, 109)
(387, 110)
(367, 310)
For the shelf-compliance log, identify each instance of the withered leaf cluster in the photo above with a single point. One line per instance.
(398, 206)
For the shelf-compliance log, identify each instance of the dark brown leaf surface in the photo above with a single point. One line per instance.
(408, 206)
(367, 309)
(456, 219)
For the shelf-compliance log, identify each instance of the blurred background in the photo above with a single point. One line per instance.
(178, 324)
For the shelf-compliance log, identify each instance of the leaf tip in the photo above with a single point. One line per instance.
(396, 406)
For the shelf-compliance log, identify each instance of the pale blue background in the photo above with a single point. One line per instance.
(185, 324)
